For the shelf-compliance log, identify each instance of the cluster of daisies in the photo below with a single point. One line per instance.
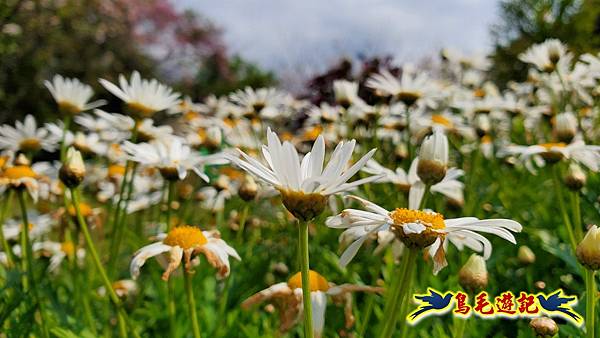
(162, 152)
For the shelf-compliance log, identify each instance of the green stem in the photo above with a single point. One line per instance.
(423, 203)
(577, 220)
(189, 290)
(397, 294)
(305, 268)
(561, 204)
(9, 254)
(122, 316)
(170, 191)
(408, 144)
(590, 302)
(170, 198)
(461, 323)
(66, 127)
(243, 218)
(27, 253)
(119, 222)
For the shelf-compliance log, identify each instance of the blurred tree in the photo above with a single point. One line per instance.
(525, 22)
(219, 79)
(97, 38)
(320, 87)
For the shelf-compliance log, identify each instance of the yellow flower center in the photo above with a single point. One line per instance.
(479, 93)
(432, 220)
(312, 133)
(486, 139)
(440, 119)
(551, 145)
(230, 122)
(232, 173)
(140, 110)
(19, 171)
(3, 161)
(316, 281)
(29, 227)
(201, 134)
(30, 144)
(84, 208)
(116, 170)
(68, 107)
(287, 136)
(68, 248)
(409, 98)
(186, 237)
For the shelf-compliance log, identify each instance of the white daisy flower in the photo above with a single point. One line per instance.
(185, 242)
(408, 89)
(143, 97)
(71, 95)
(346, 93)
(110, 127)
(39, 226)
(421, 228)
(449, 186)
(577, 151)
(58, 251)
(26, 137)
(305, 184)
(288, 298)
(545, 56)
(19, 176)
(173, 158)
(262, 101)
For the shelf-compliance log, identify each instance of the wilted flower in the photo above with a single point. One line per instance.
(287, 297)
(185, 242)
(421, 229)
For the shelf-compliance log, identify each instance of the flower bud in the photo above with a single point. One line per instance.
(482, 124)
(222, 183)
(544, 327)
(345, 92)
(576, 178)
(473, 275)
(565, 127)
(401, 152)
(525, 255)
(433, 158)
(248, 189)
(22, 160)
(73, 170)
(588, 250)
(214, 137)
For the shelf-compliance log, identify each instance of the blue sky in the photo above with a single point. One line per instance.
(309, 35)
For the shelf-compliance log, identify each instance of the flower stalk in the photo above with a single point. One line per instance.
(189, 290)
(563, 208)
(590, 302)
(5, 246)
(398, 292)
(121, 315)
(27, 253)
(304, 262)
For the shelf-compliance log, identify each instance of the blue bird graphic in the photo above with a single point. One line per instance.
(555, 302)
(433, 301)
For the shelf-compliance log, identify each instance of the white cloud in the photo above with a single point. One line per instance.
(282, 34)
